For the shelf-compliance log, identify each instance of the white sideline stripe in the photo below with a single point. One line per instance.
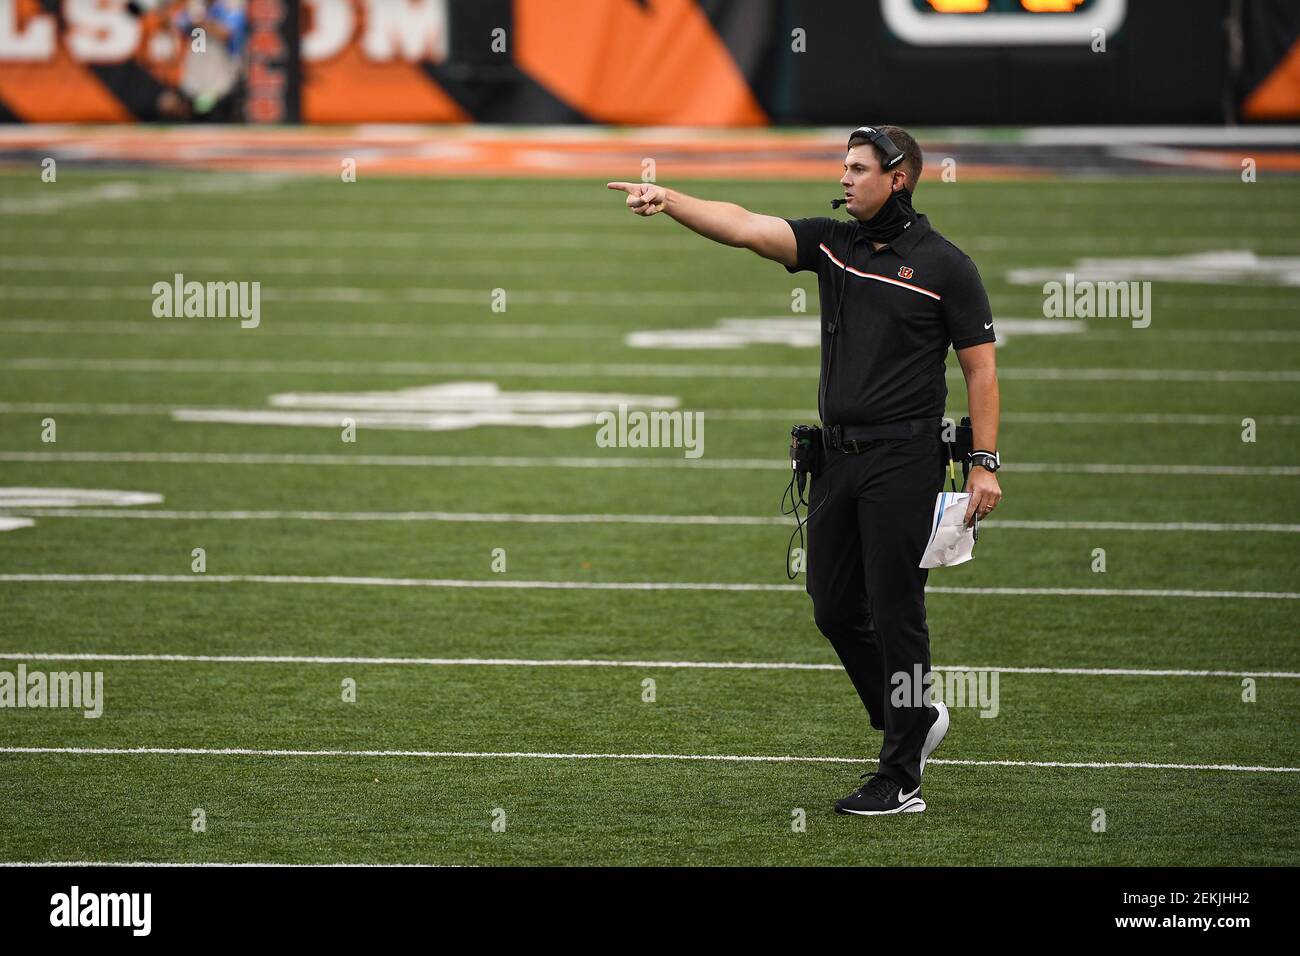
(733, 414)
(529, 755)
(602, 585)
(504, 461)
(609, 369)
(470, 517)
(595, 662)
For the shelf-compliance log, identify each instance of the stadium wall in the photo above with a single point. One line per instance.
(676, 62)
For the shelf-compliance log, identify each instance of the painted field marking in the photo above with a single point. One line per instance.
(528, 755)
(474, 517)
(360, 581)
(599, 662)
(506, 461)
(724, 414)
(608, 369)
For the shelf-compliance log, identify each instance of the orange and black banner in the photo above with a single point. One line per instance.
(114, 61)
(708, 63)
(642, 62)
(1270, 63)
(679, 62)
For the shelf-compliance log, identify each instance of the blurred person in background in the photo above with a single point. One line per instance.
(213, 63)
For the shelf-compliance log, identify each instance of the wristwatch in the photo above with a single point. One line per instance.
(988, 460)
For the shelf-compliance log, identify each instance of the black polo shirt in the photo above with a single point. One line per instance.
(903, 305)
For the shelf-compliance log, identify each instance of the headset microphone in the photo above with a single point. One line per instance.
(892, 154)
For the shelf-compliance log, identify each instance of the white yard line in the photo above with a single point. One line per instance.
(1222, 336)
(602, 369)
(427, 331)
(415, 461)
(723, 414)
(531, 755)
(440, 516)
(598, 662)
(484, 583)
(504, 461)
(48, 202)
(354, 295)
(1022, 418)
(476, 517)
(422, 267)
(1142, 418)
(1228, 527)
(1171, 470)
(419, 329)
(435, 232)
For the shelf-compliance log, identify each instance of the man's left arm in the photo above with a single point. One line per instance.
(979, 366)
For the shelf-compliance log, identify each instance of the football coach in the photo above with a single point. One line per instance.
(894, 295)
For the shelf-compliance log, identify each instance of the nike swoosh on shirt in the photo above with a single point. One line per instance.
(988, 325)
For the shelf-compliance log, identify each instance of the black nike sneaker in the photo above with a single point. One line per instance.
(878, 796)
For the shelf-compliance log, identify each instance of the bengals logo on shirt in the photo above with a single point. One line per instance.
(905, 272)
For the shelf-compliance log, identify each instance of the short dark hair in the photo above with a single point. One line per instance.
(912, 160)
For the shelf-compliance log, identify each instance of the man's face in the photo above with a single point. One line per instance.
(866, 185)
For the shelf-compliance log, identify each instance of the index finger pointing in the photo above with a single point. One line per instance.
(626, 187)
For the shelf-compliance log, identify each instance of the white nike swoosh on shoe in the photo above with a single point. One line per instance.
(903, 797)
(938, 730)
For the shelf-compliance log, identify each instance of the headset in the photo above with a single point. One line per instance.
(893, 155)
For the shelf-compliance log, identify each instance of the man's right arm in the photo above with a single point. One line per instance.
(725, 222)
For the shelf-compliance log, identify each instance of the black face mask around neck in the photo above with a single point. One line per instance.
(894, 216)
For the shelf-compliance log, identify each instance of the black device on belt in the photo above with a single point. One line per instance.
(808, 443)
(853, 439)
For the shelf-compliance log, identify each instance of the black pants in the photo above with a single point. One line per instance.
(869, 521)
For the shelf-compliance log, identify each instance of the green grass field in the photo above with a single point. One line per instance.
(387, 284)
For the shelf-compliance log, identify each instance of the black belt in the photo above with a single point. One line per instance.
(852, 439)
